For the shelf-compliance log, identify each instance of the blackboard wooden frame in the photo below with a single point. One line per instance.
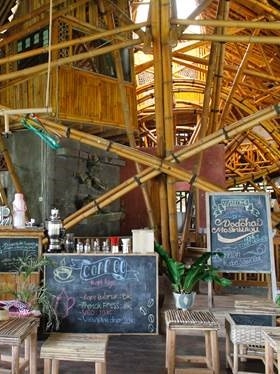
(18, 243)
(239, 225)
(104, 293)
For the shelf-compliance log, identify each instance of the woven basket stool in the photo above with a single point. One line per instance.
(15, 332)
(244, 338)
(179, 322)
(74, 347)
(272, 350)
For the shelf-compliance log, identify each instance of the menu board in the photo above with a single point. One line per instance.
(12, 248)
(109, 293)
(239, 227)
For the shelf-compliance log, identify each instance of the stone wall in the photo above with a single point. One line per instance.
(64, 179)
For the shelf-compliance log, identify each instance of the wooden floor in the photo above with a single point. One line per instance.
(145, 354)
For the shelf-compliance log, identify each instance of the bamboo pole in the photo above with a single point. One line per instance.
(12, 171)
(157, 166)
(234, 181)
(70, 43)
(129, 119)
(169, 125)
(233, 38)
(165, 165)
(263, 25)
(218, 78)
(236, 81)
(38, 25)
(161, 204)
(17, 21)
(68, 60)
(199, 8)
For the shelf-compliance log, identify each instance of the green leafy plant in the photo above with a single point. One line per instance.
(184, 279)
(28, 291)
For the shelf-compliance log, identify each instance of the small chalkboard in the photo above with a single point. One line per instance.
(253, 319)
(239, 226)
(104, 293)
(13, 247)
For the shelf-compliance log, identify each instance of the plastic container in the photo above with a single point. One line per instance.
(143, 241)
(19, 209)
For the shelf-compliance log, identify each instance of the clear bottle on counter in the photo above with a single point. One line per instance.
(96, 245)
(87, 247)
(106, 246)
(69, 244)
(79, 246)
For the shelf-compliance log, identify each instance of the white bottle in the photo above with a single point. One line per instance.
(19, 209)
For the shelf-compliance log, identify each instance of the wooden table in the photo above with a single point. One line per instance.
(13, 333)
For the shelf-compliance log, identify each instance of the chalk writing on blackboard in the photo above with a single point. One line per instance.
(239, 229)
(104, 293)
(13, 248)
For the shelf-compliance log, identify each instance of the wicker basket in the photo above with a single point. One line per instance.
(248, 328)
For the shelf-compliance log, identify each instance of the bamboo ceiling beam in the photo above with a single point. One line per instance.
(38, 25)
(235, 181)
(157, 166)
(68, 60)
(29, 16)
(70, 43)
(236, 81)
(167, 165)
(262, 25)
(203, 61)
(199, 8)
(145, 175)
(232, 38)
(219, 75)
(234, 144)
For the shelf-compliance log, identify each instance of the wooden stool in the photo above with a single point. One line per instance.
(272, 345)
(74, 347)
(14, 332)
(179, 322)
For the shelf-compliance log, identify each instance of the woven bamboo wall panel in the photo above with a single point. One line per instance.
(30, 93)
(92, 98)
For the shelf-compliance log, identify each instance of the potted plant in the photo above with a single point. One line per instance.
(29, 296)
(184, 279)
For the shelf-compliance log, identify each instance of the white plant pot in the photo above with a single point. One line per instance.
(184, 301)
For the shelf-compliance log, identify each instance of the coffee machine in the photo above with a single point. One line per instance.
(55, 231)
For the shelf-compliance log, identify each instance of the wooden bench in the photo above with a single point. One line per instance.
(74, 347)
(14, 332)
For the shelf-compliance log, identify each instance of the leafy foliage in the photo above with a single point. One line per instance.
(185, 279)
(33, 294)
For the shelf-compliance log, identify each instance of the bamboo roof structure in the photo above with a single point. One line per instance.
(208, 76)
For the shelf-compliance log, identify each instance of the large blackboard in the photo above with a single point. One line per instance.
(239, 226)
(13, 247)
(104, 293)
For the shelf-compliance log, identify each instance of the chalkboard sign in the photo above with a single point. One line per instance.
(13, 247)
(239, 226)
(104, 293)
